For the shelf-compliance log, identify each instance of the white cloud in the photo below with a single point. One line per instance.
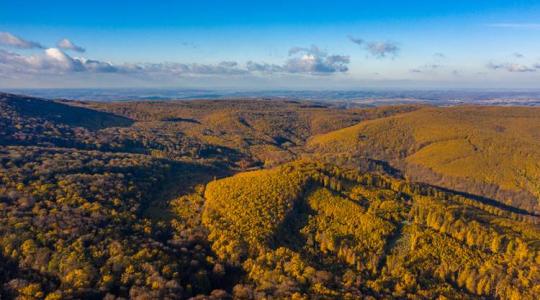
(305, 61)
(69, 45)
(378, 49)
(8, 39)
(512, 67)
(52, 60)
(59, 59)
(315, 61)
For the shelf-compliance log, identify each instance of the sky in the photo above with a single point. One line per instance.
(264, 45)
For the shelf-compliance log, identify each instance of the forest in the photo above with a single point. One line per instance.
(267, 199)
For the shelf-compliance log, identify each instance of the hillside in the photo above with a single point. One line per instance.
(39, 122)
(488, 151)
(308, 230)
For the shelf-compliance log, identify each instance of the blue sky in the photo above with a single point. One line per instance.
(270, 44)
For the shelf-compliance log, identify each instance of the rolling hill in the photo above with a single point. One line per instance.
(267, 132)
(488, 151)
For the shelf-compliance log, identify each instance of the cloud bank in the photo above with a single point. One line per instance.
(52, 60)
(55, 61)
(306, 61)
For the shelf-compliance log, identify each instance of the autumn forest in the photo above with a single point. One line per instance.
(267, 199)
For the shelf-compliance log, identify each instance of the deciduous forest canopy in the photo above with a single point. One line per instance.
(267, 199)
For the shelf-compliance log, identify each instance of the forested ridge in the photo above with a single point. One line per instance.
(328, 232)
(267, 199)
(489, 151)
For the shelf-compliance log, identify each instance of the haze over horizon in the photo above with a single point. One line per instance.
(244, 45)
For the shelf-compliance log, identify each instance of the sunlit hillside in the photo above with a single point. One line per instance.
(489, 151)
(308, 230)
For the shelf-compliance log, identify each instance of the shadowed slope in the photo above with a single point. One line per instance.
(29, 107)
